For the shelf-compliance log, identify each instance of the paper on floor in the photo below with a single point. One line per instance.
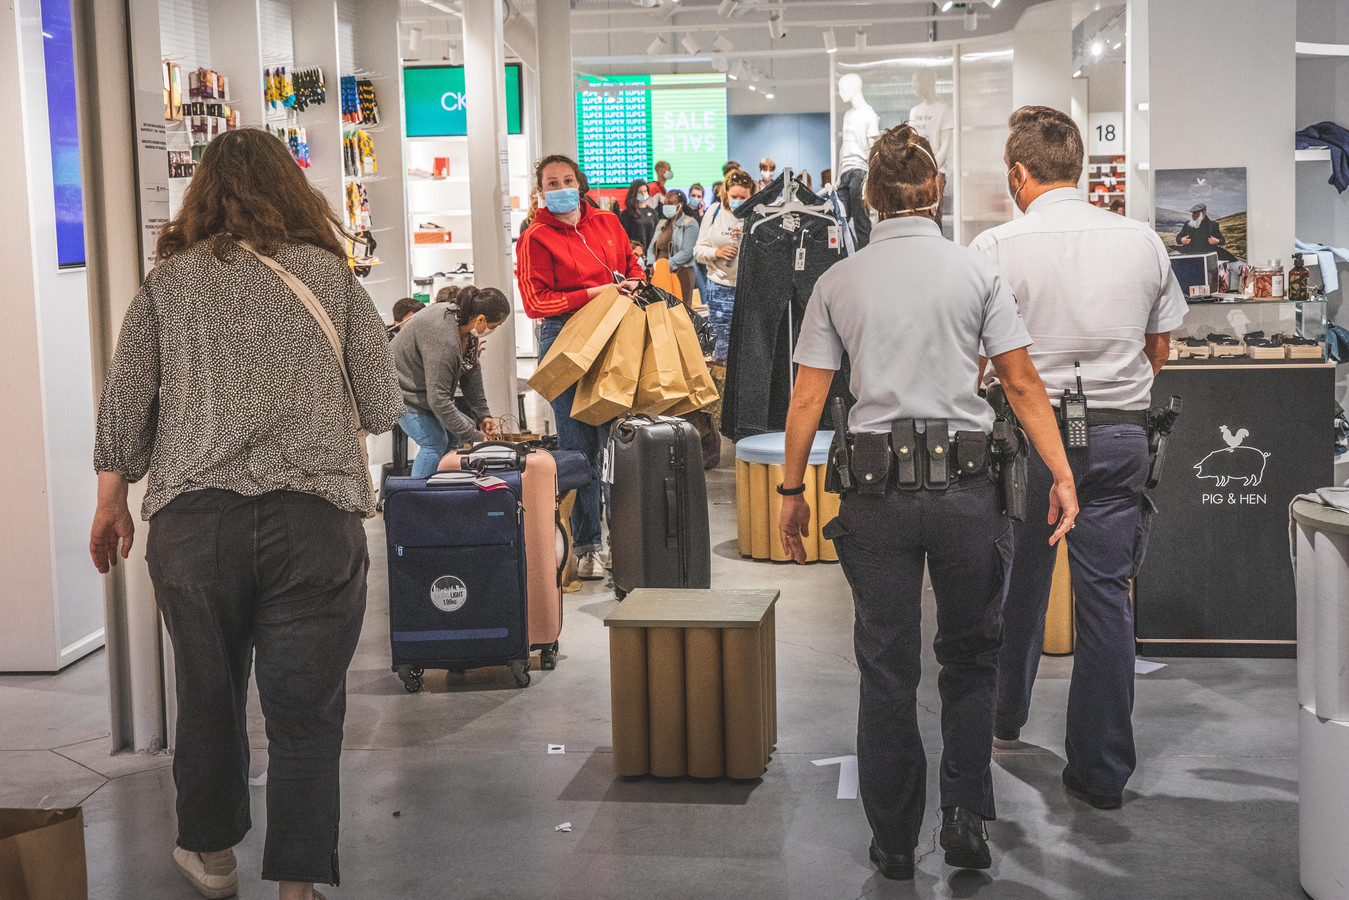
(556, 748)
(1146, 667)
(564, 827)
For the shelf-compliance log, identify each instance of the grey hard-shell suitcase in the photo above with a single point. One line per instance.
(658, 528)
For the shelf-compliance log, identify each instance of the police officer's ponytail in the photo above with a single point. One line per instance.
(902, 174)
(472, 302)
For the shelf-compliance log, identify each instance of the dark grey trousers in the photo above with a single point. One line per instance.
(882, 545)
(281, 575)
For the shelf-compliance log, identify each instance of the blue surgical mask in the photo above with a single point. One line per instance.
(735, 202)
(562, 200)
(641, 196)
(669, 210)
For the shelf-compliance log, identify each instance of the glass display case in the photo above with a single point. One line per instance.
(1231, 331)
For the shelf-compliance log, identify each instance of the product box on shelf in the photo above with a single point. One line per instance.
(431, 236)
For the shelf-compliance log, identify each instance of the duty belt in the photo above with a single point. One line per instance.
(1096, 417)
(904, 458)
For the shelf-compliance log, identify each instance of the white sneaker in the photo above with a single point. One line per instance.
(589, 567)
(213, 879)
(606, 560)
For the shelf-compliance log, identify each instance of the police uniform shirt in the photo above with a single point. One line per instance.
(911, 310)
(1090, 284)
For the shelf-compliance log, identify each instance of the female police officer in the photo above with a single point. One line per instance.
(913, 310)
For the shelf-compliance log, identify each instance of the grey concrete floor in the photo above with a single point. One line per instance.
(452, 794)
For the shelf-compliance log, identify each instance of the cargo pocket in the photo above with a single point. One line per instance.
(1141, 533)
(1004, 547)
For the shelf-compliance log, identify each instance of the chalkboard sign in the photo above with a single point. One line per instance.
(1217, 580)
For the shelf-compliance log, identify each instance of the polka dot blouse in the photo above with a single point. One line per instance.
(222, 379)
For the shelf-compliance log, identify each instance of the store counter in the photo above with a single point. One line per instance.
(1217, 579)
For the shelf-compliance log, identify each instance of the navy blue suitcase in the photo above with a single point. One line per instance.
(457, 576)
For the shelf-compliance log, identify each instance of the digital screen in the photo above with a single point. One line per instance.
(622, 133)
(58, 56)
(436, 104)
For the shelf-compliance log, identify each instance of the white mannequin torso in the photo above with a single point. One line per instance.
(861, 127)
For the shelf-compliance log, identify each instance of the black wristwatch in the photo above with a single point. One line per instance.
(791, 492)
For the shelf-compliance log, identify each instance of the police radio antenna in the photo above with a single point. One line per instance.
(1077, 370)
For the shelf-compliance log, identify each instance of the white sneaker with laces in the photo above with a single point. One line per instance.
(215, 879)
(606, 560)
(589, 568)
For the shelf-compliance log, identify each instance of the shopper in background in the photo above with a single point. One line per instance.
(717, 194)
(696, 201)
(1117, 206)
(729, 167)
(568, 257)
(403, 310)
(657, 187)
(675, 236)
(1096, 289)
(914, 359)
(638, 218)
(436, 354)
(826, 179)
(448, 294)
(718, 248)
(226, 391)
(767, 172)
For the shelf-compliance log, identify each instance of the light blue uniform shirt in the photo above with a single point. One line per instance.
(912, 310)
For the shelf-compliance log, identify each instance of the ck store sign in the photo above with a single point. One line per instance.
(437, 105)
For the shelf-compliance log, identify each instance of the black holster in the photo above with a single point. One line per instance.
(1011, 469)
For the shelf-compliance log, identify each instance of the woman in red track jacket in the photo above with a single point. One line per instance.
(569, 255)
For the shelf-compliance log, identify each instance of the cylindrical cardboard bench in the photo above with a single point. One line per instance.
(693, 680)
(758, 472)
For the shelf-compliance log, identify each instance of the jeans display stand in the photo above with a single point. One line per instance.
(1320, 537)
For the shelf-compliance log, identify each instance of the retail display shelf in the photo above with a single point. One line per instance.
(448, 179)
(1312, 154)
(1245, 362)
(1308, 50)
(459, 245)
(439, 212)
(1248, 301)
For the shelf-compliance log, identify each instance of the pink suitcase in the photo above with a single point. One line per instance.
(546, 542)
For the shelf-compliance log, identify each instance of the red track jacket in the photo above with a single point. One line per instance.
(557, 262)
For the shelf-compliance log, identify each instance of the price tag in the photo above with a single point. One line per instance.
(834, 237)
(791, 222)
(800, 259)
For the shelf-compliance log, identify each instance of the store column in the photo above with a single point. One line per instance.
(557, 81)
(489, 183)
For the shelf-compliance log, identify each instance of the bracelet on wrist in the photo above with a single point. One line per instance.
(791, 492)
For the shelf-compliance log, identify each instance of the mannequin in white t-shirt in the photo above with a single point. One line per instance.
(931, 118)
(861, 127)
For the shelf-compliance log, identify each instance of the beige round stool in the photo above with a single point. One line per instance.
(758, 472)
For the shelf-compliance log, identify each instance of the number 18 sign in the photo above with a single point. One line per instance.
(1105, 134)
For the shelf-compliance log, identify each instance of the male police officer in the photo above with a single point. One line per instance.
(1094, 289)
(920, 494)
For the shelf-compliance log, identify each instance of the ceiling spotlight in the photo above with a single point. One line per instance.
(753, 88)
(689, 44)
(454, 54)
(971, 19)
(722, 43)
(1077, 74)
(769, 95)
(656, 46)
(946, 7)
(776, 29)
(1096, 48)
(737, 71)
(726, 7)
(830, 45)
(1118, 44)
(992, 4)
(859, 40)
(414, 39)
(719, 63)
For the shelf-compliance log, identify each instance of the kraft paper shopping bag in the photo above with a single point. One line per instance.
(42, 854)
(609, 389)
(661, 384)
(702, 389)
(580, 343)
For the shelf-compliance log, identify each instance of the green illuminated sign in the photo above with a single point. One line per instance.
(436, 104)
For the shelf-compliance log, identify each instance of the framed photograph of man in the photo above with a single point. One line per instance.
(1202, 211)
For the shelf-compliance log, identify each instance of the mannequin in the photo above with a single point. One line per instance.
(931, 118)
(861, 127)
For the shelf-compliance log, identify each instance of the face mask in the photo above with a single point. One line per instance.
(696, 200)
(487, 331)
(641, 196)
(735, 203)
(562, 200)
(669, 210)
(766, 173)
(1014, 194)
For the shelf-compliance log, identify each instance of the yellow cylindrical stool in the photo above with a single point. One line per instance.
(665, 681)
(759, 471)
(628, 691)
(703, 695)
(1059, 631)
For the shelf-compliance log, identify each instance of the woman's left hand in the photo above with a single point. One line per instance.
(488, 427)
(112, 524)
(628, 286)
(794, 524)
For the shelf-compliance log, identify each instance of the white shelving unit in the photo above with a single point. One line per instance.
(1313, 154)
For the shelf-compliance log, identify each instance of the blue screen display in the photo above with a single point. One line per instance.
(58, 51)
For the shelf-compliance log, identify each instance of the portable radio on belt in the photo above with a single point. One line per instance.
(1073, 415)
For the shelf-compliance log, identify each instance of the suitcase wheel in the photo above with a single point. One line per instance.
(411, 677)
(520, 669)
(548, 657)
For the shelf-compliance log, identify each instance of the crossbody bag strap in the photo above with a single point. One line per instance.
(321, 316)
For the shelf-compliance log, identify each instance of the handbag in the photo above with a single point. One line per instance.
(325, 324)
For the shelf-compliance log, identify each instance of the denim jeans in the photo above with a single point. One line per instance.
(430, 437)
(588, 439)
(1102, 549)
(282, 577)
(720, 300)
(883, 543)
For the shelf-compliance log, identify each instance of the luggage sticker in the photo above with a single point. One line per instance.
(448, 593)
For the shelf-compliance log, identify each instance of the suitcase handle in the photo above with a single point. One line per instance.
(671, 514)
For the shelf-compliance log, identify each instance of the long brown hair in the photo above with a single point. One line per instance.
(248, 186)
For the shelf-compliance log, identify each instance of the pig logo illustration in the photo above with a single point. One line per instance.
(449, 593)
(1234, 462)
